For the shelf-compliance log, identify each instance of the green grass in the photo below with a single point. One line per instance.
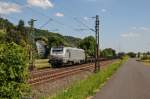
(89, 86)
(147, 62)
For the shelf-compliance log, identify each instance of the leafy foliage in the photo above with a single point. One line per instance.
(88, 44)
(108, 53)
(5, 24)
(17, 34)
(72, 41)
(121, 55)
(56, 41)
(145, 56)
(13, 71)
(131, 54)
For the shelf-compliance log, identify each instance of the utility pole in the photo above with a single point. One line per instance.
(97, 63)
(97, 52)
(31, 38)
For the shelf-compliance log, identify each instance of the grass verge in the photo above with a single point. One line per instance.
(42, 63)
(89, 86)
(146, 62)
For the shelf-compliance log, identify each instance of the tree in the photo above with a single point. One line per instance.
(22, 31)
(17, 34)
(5, 24)
(55, 41)
(20, 26)
(121, 54)
(12, 36)
(108, 53)
(146, 56)
(131, 54)
(89, 45)
(41, 38)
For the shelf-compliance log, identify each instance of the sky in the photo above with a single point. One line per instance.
(124, 24)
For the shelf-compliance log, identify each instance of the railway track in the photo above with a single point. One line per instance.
(44, 76)
(45, 71)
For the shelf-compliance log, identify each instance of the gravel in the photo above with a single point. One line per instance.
(53, 87)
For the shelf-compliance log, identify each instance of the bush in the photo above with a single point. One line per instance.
(13, 71)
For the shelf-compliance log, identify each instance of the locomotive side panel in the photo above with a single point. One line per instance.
(67, 55)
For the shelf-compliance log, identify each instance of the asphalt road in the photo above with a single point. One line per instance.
(131, 81)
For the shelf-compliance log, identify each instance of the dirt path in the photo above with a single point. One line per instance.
(131, 81)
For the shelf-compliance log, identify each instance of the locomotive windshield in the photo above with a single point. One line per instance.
(57, 50)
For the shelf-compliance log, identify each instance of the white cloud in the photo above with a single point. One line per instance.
(144, 28)
(40, 3)
(7, 8)
(85, 18)
(130, 34)
(141, 28)
(103, 10)
(58, 14)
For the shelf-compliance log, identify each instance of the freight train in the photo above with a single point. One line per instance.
(60, 56)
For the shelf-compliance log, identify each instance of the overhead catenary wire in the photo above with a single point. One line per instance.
(81, 29)
(51, 19)
(45, 15)
(38, 12)
(47, 22)
(80, 22)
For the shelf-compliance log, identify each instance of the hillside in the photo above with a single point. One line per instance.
(67, 40)
(73, 41)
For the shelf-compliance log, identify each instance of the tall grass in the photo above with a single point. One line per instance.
(89, 86)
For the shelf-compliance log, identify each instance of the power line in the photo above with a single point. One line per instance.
(38, 12)
(46, 23)
(81, 29)
(44, 15)
(80, 22)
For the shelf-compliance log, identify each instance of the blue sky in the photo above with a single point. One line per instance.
(125, 24)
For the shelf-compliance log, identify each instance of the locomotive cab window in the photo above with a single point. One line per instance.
(57, 50)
